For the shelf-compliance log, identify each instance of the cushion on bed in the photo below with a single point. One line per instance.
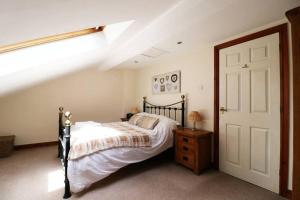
(160, 117)
(134, 119)
(147, 122)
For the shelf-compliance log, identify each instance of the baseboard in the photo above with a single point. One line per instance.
(28, 146)
(288, 194)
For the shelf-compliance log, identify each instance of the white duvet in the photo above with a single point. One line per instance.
(89, 169)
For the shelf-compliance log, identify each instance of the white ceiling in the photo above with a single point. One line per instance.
(156, 23)
(213, 21)
(23, 20)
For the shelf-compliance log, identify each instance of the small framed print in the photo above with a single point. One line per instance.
(166, 83)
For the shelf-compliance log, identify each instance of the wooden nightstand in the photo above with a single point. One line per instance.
(193, 148)
(124, 119)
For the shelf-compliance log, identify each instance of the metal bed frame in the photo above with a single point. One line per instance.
(64, 130)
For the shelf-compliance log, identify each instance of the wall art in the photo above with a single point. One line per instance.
(166, 83)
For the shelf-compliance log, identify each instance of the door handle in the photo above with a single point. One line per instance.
(222, 109)
(245, 66)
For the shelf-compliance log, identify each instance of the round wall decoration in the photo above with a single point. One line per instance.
(174, 78)
(162, 80)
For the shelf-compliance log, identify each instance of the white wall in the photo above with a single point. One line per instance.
(129, 90)
(32, 114)
(197, 75)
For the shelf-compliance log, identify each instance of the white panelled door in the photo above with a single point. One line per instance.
(250, 111)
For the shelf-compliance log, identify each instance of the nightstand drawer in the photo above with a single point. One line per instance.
(187, 160)
(184, 140)
(185, 148)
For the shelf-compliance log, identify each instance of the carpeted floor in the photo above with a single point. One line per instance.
(36, 174)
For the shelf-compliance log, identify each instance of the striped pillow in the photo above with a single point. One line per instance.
(134, 119)
(147, 122)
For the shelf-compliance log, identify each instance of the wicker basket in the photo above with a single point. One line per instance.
(6, 145)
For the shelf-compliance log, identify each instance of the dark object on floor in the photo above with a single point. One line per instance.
(6, 145)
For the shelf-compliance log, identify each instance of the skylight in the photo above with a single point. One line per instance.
(16, 61)
(49, 39)
(32, 65)
(51, 50)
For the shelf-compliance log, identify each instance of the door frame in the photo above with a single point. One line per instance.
(284, 98)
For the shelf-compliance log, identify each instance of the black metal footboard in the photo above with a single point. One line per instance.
(64, 137)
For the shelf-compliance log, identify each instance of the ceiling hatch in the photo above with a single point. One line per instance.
(154, 52)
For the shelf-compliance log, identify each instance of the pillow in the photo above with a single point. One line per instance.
(147, 122)
(134, 119)
(161, 117)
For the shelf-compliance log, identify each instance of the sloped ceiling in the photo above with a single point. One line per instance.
(152, 22)
(208, 22)
(23, 20)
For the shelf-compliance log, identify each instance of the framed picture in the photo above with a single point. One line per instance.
(166, 83)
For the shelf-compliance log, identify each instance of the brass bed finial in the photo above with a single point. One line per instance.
(68, 115)
(61, 109)
(144, 98)
(182, 97)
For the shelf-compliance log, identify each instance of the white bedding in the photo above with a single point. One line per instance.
(89, 169)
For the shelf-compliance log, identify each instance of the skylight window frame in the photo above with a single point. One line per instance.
(48, 39)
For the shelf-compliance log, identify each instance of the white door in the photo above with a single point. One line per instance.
(250, 124)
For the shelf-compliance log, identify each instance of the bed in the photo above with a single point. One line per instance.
(83, 169)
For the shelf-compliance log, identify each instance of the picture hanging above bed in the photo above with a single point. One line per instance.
(166, 83)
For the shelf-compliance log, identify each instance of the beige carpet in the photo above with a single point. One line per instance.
(36, 174)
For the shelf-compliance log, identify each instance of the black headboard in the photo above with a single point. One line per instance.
(170, 110)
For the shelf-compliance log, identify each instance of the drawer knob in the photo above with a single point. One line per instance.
(185, 158)
(185, 148)
(185, 139)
